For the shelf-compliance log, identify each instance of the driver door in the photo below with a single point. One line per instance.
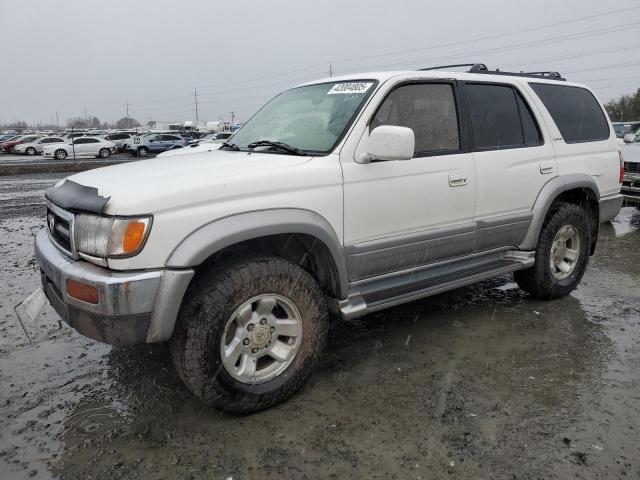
(408, 213)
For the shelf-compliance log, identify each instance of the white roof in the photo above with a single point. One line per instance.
(439, 74)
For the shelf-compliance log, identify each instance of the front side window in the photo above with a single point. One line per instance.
(311, 118)
(575, 111)
(428, 109)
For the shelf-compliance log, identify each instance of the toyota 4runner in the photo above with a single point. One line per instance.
(346, 195)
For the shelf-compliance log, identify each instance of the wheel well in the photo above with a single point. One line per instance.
(587, 199)
(306, 251)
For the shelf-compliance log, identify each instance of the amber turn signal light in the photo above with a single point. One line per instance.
(82, 292)
(133, 235)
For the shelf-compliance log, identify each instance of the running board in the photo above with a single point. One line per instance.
(386, 291)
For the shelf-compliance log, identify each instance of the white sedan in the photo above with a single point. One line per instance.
(80, 147)
(35, 147)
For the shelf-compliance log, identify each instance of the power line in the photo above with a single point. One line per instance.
(489, 37)
(520, 46)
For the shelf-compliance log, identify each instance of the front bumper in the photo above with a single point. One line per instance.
(133, 307)
(631, 189)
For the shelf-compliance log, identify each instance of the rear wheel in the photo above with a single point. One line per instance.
(143, 151)
(249, 333)
(60, 154)
(104, 153)
(562, 253)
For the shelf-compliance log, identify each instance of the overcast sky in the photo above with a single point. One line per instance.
(69, 55)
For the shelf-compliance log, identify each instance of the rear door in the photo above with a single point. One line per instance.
(514, 158)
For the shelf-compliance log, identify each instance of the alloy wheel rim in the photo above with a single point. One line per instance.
(261, 338)
(565, 252)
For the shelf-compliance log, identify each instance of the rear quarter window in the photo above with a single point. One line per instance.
(575, 111)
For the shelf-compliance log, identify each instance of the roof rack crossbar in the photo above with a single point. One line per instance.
(482, 68)
(474, 67)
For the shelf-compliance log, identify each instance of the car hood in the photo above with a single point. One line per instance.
(203, 147)
(631, 152)
(160, 184)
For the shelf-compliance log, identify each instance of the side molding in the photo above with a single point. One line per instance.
(227, 231)
(551, 190)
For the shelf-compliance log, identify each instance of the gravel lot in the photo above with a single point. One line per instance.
(477, 383)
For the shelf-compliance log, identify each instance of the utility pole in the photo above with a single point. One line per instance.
(195, 96)
(85, 117)
(57, 121)
(233, 118)
(330, 69)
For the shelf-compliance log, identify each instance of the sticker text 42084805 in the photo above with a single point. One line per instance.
(349, 88)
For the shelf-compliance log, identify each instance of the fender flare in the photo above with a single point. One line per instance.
(548, 194)
(212, 237)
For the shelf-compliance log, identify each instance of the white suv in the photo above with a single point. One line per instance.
(346, 195)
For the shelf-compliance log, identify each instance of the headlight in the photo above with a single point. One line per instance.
(107, 237)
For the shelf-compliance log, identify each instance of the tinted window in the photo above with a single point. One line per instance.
(92, 140)
(79, 141)
(530, 130)
(575, 111)
(428, 109)
(494, 116)
(170, 138)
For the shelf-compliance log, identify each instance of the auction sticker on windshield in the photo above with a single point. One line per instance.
(349, 88)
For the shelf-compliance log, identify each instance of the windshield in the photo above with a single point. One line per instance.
(624, 127)
(312, 118)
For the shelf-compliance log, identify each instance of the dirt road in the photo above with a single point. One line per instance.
(478, 383)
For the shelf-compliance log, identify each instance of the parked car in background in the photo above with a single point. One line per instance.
(35, 147)
(80, 147)
(8, 136)
(142, 145)
(631, 179)
(623, 128)
(212, 138)
(9, 145)
(120, 139)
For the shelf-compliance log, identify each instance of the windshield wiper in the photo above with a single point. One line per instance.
(281, 145)
(230, 146)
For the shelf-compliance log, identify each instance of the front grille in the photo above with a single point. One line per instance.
(59, 224)
(632, 167)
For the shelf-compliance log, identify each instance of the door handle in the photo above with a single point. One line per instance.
(457, 179)
(546, 167)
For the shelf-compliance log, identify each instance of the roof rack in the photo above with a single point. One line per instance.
(482, 68)
(475, 67)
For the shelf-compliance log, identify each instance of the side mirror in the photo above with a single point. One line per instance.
(629, 138)
(388, 142)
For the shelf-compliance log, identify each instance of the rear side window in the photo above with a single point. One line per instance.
(429, 110)
(575, 111)
(500, 118)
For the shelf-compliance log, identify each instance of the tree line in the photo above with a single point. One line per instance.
(625, 108)
(79, 123)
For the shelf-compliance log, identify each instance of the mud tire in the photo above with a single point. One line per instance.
(214, 294)
(538, 281)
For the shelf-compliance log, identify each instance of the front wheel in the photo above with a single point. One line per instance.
(249, 333)
(561, 256)
(60, 154)
(31, 151)
(104, 153)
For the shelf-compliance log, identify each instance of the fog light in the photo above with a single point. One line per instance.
(82, 292)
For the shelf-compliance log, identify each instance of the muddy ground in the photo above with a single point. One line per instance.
(478, 383)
